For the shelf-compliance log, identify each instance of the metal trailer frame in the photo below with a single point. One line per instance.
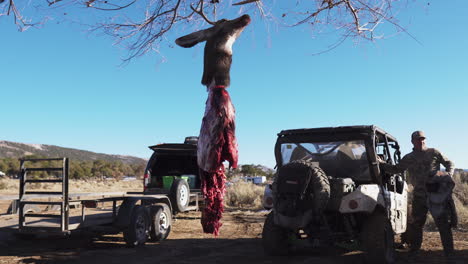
(63, 224)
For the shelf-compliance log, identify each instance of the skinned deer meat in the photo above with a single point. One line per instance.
(216, 143)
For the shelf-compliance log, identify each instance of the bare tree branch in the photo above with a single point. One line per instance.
(354, 14)
(200, 12)
(53, 2)
(142, 26)
(245, 2)
(20, 21)
(115, 7)
(329, 6)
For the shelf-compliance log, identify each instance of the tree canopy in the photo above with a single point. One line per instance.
(143, 25)
(79, 169)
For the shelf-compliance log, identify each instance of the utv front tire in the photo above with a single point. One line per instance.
(378, 239)
(275, 239)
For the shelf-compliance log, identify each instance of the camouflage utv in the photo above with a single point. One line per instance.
(330, 189)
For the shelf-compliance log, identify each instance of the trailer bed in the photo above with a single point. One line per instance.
(93, 218)
(39, 211)
(80, 217)
(71, 196)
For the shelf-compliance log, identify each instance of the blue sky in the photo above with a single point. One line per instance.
(62, 86)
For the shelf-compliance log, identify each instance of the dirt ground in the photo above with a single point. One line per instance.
(239, 242)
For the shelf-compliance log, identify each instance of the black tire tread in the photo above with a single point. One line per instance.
(129, 233)
(373, 237)
(155, 235)
(274, 238)
(320, 184)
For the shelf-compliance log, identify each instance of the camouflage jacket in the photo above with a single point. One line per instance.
(421, 165)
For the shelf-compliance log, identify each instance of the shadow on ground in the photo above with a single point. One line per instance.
(87, 248)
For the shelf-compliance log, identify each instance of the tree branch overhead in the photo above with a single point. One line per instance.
(141, 26)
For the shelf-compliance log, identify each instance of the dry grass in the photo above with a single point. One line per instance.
(11, 186)
(245, 195)
(8, 186)
(461, 188)
(2, 185)
(461, 199)
(462, 211)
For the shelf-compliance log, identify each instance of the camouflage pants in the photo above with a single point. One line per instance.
(415, 228)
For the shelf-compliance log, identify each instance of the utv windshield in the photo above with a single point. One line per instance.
(340, 159)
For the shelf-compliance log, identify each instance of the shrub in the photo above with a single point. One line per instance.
(8, 185)
(3, 185)
(245, 195)
(461, 187)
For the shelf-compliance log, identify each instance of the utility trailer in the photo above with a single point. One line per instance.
(139, 215)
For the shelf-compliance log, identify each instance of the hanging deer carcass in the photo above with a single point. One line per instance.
(217, 141)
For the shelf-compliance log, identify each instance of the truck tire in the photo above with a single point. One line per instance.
(179, 195)
(137, 231)
(161, 221)
(378, 239)
(275, 239)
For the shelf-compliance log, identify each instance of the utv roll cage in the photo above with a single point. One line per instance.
(372, 136)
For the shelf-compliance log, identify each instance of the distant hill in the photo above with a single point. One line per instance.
(17, 150)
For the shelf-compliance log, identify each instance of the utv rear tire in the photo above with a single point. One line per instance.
(378, 239)
(275, 239)
(161, 221)
(179, 195)
(137, 231)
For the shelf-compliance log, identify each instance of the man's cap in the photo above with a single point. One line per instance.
(418, 134)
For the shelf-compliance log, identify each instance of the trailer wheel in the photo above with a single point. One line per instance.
(161, 222)
(28, 208)
(137, 231)
(179, 195)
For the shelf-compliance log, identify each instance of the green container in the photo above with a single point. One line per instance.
(186, 178)
(190, 178)
(168, 180)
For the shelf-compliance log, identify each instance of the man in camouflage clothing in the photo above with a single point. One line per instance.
(422, 164)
